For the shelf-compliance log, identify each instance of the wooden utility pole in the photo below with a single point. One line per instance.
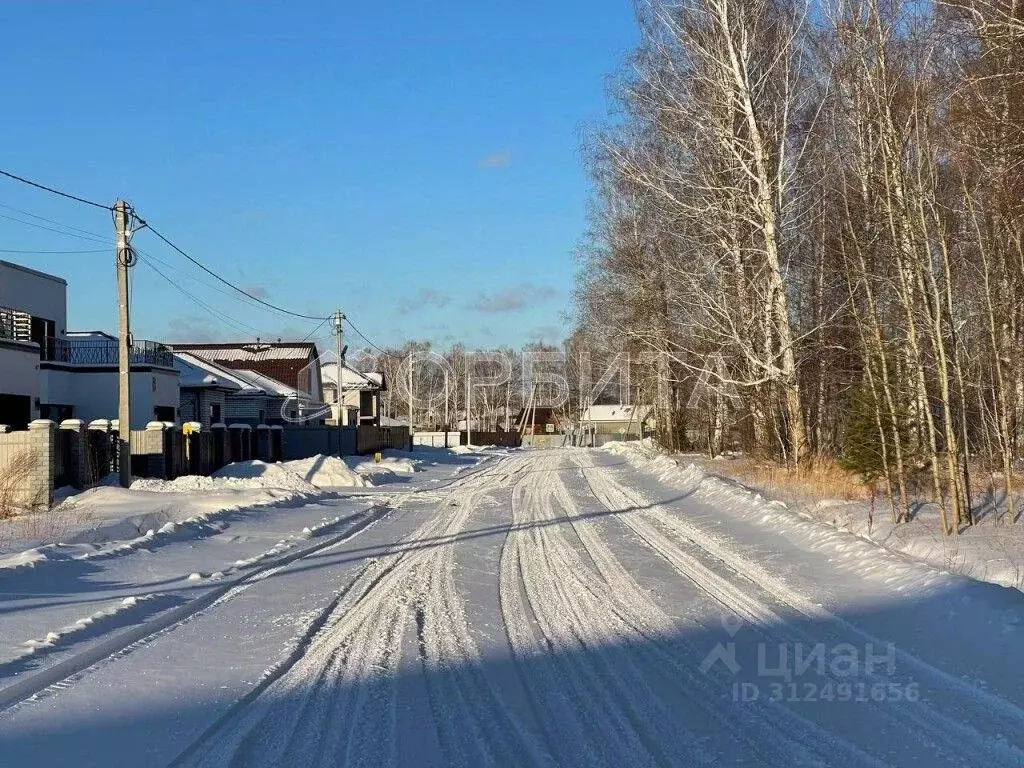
(446, 417)
(469, 390)
(338, 321)
(410, 400)
(124, 423)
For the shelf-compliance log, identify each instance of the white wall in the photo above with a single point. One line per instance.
(19, 370)
(34, 292)
(93, 394)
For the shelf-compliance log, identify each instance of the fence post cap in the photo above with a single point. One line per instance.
(103, 424)
(277, 426)
(4, 429)
(219, 425)
(72, 424)
(155, 426)
(239, 426)
(169, 424)
(195, 426)
(262, 426)
(41, 424)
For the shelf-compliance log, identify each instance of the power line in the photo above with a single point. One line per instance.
(149, 257)
(53, 191)
(311, 333)
(50, 229)
(52, 253)
(235, 324)
(226, 282)
(364, 337)
(229, 294)
(52, 221)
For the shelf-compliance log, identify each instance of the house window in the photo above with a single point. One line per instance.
(215, 413)
(164, 413)
(263, 415)
(15, 411)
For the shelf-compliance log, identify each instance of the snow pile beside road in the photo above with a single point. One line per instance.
(986, 552)
(242, 475)
(265, 475)
(391, 464)
(461, 450)
(109, 521)
(327, 472)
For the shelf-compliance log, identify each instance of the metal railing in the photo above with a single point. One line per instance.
(11, 323)
(103, 352)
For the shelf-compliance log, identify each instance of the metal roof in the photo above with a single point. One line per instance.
(251, 352)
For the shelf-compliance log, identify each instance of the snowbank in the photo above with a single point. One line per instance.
(986, 552)
(327, 472)
(401, 466)
(108, 521)
(243, 475)
(461, 450)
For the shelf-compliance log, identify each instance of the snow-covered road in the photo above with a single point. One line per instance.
(556, 608)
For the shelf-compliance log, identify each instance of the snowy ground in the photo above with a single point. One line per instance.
(562, 607)
(992, 550)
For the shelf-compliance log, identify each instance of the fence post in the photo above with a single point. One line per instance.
(153, 445)
(264, 449)
(192, 446)
(40, 482)
(277, 443)
(220, 447)
(78, 473)
(99, 448)
(241, 442)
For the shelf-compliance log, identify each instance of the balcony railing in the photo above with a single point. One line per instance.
(103, 352)
(13, 323)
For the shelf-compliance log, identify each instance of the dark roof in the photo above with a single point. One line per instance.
(281, 360)
(545, 415)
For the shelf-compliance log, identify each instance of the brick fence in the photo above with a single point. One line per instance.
(35, 445)
(81, 455)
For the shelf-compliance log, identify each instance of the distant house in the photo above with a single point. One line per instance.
(51, 373)
(541, 420)
(618, 419)
(212, 393)
(360, 394)
(287, 374)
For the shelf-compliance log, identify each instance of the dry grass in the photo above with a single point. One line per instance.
(823, 480)
(12, 495)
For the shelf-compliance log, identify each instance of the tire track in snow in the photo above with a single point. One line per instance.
(928, 726)
(71, 669)
(604, 699)
(614, 622)
(345, 681)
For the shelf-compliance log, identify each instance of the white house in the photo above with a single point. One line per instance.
(48, 372)
(360, 394)
(618, 419)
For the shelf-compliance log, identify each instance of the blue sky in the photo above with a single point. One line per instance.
(417, 164)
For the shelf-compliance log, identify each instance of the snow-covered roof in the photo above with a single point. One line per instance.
(267, 384)
(197, 372)
(91, 335)
(350, 377)
(616, 412)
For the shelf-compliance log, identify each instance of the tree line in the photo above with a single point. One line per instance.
(810, 219)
